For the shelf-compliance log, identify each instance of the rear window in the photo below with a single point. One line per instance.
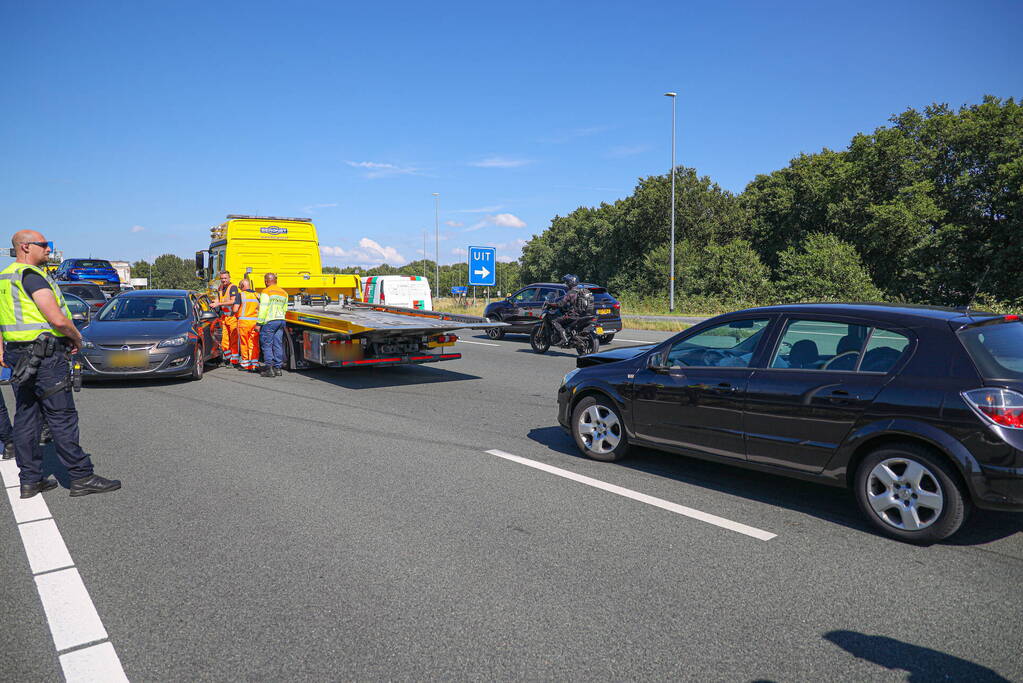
(92, 263)
(84, 291)
(997, 350)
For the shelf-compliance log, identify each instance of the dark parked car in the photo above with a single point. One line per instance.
(152, 332)
(918, 409)
(91, 293)
(81, 311)
(523, 309)
(97, 271)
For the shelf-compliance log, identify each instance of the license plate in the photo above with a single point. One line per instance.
(129, 359)
(603, 311)
(600, 330)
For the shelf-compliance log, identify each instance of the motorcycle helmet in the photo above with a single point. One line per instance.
(570, 280)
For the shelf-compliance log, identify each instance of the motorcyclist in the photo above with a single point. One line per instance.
(564, 315)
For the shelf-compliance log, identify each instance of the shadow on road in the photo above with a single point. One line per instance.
(377, 378)
(550, 352)
(922, 663)
(133, 383)
(828, 503)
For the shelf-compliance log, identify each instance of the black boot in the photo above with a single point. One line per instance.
(278, 372)
(8, 451)
(29, 490)
(93, 484)
(267, 372)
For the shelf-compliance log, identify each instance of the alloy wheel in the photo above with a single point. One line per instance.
(600, 429)
(904, 494)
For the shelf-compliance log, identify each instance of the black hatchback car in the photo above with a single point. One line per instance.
(523, 309)
(151, 333)
(918, 409)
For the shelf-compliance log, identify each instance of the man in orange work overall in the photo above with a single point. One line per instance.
(229, 302)
(248, 335)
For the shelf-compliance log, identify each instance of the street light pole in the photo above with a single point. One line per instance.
(424, 254)
(436, 228)
(671, 275)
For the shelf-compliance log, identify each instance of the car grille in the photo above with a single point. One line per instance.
(131, 347)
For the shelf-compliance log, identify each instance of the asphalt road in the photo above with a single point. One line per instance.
(352, 525)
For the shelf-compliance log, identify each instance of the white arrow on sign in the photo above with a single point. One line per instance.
(481, 271)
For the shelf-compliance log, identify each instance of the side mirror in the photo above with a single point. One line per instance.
(209, 315)
(200, 265)
(79, 317)
(653, 362)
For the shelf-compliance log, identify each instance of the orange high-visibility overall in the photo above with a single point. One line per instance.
(228, 331)
(248, 337)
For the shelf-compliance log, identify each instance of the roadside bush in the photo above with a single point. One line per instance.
(824, 268)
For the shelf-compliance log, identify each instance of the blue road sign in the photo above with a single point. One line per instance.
(482, 266)
(459, 290)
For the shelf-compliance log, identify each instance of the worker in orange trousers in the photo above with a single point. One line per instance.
(229, 301)
(248, 335)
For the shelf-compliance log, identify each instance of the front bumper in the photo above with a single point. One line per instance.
(565, 407)
(100, 363)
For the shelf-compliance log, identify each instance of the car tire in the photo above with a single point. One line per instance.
(495, 333)
(599, 430)
(910, 493)
(198, 364)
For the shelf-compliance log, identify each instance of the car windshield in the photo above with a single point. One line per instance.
(996, 349)
(145, 308)
(92, 264)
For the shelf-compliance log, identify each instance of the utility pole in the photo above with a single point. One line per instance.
(436, 228)
(671, 276)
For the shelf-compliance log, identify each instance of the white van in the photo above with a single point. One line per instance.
(409, 291)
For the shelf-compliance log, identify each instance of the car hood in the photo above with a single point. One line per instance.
(612, 356)
(127, 331)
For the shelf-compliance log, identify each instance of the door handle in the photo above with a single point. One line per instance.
(839, 392)
(727, 387)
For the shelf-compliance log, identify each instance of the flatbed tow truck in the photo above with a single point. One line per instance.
(326, 324)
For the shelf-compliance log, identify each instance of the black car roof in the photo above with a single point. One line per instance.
(154, 292)
(894, 313)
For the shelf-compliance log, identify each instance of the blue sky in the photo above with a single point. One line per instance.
(131, 127)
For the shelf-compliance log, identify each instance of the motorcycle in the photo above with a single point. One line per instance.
(582, 335)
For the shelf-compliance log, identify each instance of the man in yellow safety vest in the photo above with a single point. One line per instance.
(39, 339)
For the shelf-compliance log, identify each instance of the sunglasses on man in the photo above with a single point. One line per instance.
(44, 245)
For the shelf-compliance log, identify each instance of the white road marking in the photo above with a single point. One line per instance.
(44, 546)
(97, 663)
(641, 497)
(70, 612)
(637, 341)
(69, 609)
(27, 509)
(464, 341)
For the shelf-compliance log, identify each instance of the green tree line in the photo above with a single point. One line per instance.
(925, 210)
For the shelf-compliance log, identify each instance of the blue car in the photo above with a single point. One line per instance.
(98, 271)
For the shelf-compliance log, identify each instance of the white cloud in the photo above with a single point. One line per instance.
(377, 169)
(507, 220)
(369, 253)
(500, 162)
(453, 224)
(501, 220)
(137, 228)
(311, 208)
(506, 259)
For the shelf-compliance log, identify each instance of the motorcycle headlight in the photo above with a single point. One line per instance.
(568, 376)
(173, 341)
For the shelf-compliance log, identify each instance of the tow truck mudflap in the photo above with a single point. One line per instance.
(401, 360)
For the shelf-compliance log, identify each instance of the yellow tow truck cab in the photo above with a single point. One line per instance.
(255, 245)
(326, 324)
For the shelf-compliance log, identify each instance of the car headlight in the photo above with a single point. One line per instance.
(569, 376)
(173, 341)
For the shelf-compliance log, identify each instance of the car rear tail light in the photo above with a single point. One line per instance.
(1011, 318)
(99, 304)
(617, 306)
(1003, 407)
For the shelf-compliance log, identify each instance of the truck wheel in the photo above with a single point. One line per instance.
(598, 429)
(910, 493)
(538, 340)
(495, 332)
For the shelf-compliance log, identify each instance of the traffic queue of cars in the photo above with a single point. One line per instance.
(919, 410)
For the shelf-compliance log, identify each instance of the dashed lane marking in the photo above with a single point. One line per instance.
(737, 527)
(465, 341)
(70, 612)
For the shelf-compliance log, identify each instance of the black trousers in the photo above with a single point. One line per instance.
(57, 409)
